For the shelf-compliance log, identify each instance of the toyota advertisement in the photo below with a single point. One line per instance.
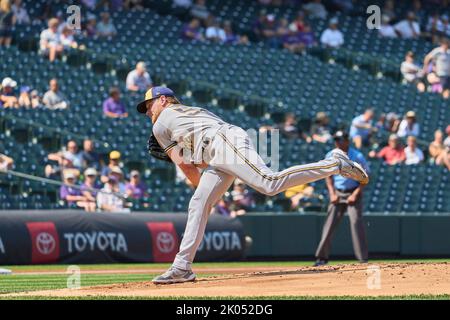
(76, 237)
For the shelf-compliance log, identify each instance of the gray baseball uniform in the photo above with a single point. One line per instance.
(230, 154)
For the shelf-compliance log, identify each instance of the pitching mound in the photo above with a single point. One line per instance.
(341, 280)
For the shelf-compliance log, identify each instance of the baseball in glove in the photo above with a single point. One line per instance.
(155, 150)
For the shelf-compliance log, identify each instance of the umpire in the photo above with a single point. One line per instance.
(345, 195)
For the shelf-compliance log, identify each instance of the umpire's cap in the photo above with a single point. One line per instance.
(153, 93)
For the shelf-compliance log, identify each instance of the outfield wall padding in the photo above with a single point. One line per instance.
(71, 237)
(293, 235)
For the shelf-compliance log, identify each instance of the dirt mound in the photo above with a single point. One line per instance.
(341, 280)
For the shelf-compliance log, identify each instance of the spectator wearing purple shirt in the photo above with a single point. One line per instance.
(135, 188)
(307, 37)
(191, 31)
(72, 195)
(292, 41)
(113, 107)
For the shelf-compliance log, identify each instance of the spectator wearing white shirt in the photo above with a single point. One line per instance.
(386, 29)
(411, 72)
(408, 28)
(413, 154)
(50, 44)
(332, 37)
(108, 199)
(409, 126)
(214, 32)
(67, 39)
(106, 28)
(139, 79)
(20, 12)
(441, 58)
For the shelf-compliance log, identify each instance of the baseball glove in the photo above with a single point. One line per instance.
(155, 150)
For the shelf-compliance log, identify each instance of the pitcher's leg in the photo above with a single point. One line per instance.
(213, 184)
(239, 158)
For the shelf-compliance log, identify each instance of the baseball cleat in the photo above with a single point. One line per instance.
(320, 262)
(349, 168)
(174, 275)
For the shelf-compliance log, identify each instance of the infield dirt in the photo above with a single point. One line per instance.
(384, 279)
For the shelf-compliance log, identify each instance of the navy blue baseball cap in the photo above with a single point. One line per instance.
(153, 93)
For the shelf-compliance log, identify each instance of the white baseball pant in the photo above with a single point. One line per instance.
(231, 155)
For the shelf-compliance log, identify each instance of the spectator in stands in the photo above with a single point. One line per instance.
(386, 29)
(389, 10)
(408, 28)
(24, 97)
(437, 148)
(133, 5)
(108, 198)
(257, 27)
(90, 186)
(200, 11)
(307, 37)
(90, 30)
(345, 6)
(270, 31)
(6, 163)
(299, 23)
(434, 27)
(388, 122)
(50, 44)
(7, 21)
(54, 99)
(282, 28)
(113, 107)
(413, 154)
(192, 31)
(292, 41)
(241, 199)
(136, 189)
(118, 173)
(7, 97)
(411, 72)
(290, 130)
(315, 9)
(90, 4)
(91, 159)
(320, 130)
(440, 56)
(433, 81)
(409, 126)
(35, 99)
(445, 157)
(298, 193)
(114, 160)
(20, 12)
(73, 196)
(71, 154)
(181, 7)
(139, 79)
(214, 32)
(231, 37)
(105, 28)
(332, 36)
(392, 154)
(223, 208)
(361, 128)
(67, 39)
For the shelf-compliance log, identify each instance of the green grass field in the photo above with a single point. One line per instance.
(23, 282)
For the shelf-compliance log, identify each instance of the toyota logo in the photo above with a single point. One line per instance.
(165, 242)
(45, 243)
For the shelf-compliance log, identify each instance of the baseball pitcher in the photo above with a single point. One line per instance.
(194, 138)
